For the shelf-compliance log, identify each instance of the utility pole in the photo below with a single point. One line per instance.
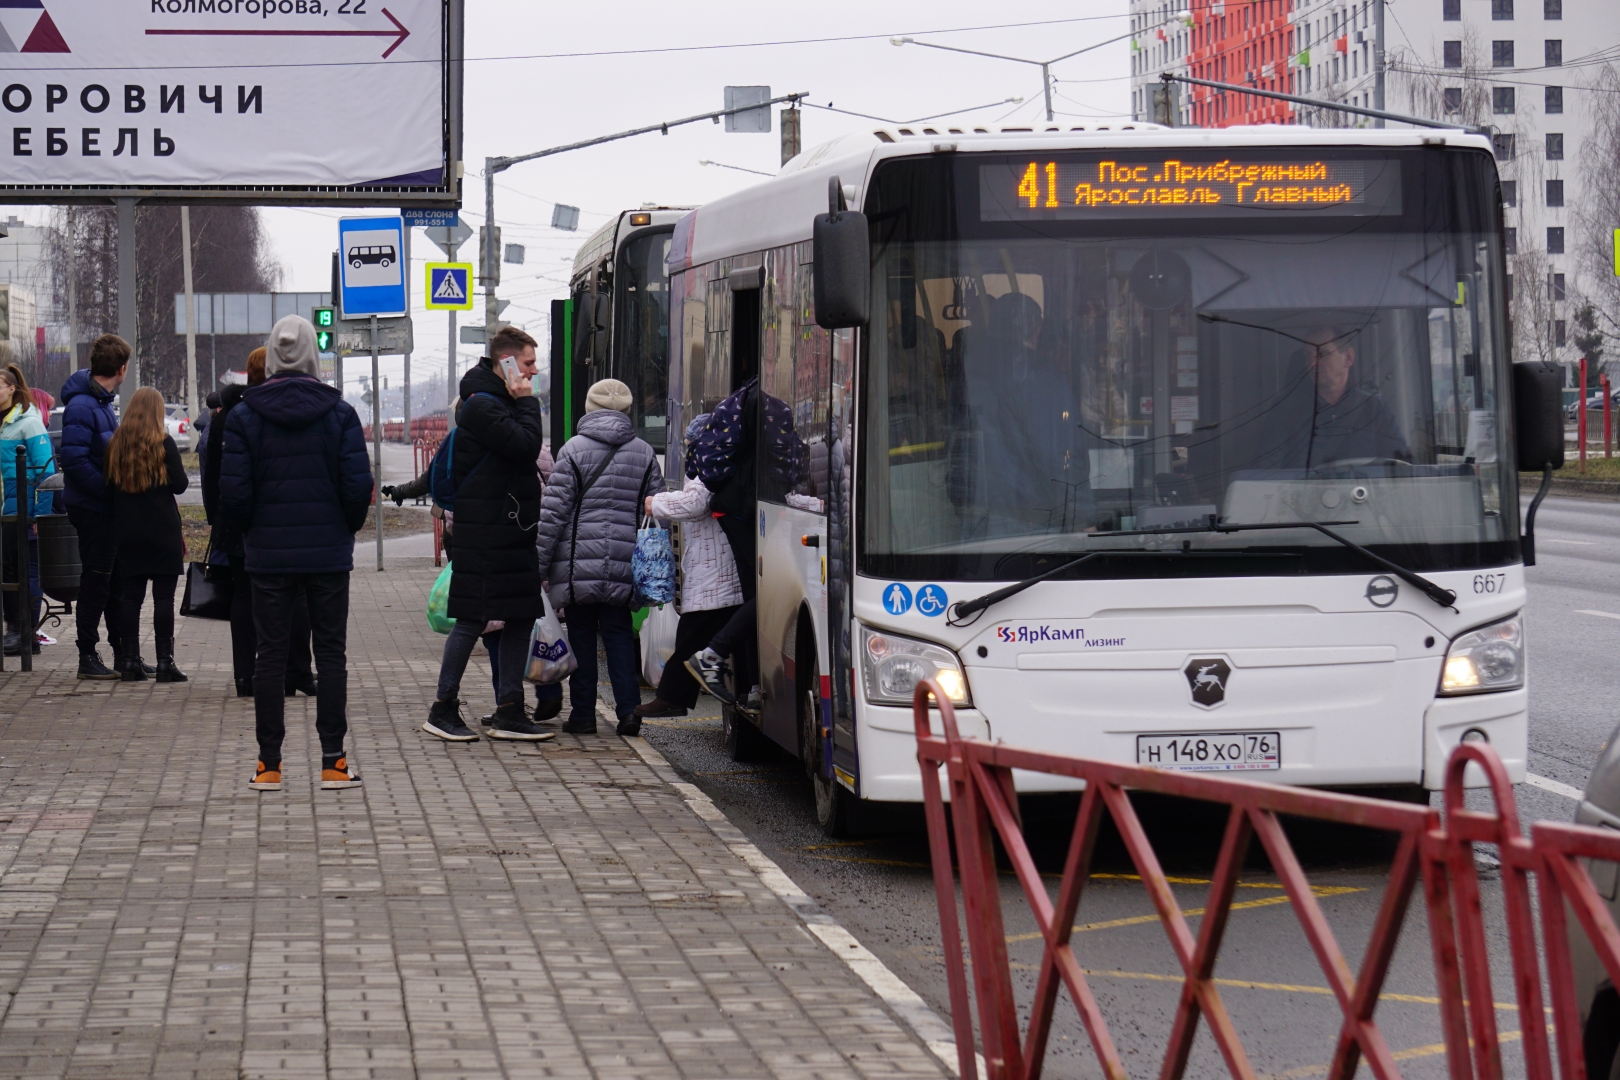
(73, 289)
(376, 441)
(790, 132)
(191, 313)
(127, 316)
(493, 165)
(405, 261)
(1378, 60)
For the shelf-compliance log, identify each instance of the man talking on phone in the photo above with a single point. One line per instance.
(495, 572)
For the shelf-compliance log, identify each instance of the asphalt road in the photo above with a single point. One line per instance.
(878, 884)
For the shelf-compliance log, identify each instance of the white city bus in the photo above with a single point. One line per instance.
(1181, 447)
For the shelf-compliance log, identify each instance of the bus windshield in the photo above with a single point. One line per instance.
(1077, 345)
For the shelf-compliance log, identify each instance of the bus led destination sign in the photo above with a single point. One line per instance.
(1111, 188)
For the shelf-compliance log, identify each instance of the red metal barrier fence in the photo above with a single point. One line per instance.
(984, 808)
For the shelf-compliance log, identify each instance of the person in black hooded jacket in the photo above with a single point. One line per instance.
(496, 570)
(294, 477)
(225, 545)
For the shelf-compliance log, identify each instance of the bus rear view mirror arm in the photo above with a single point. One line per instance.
(842, 252)
(1538, 423)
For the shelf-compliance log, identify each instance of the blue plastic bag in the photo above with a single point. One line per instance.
(652, 567)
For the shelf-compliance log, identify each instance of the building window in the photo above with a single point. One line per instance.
(1560, 332)
(1552, 9)
(1510, 240)
(1452, 51)
(1552, 53)
(1502, 10)
(1452, 98)
(1451, 10)
(1555, 287)
(1555, 240)
(1555, 193)
(1553, 99)
(1502, 54)
(1503, 146)
(1501, 99)
(1510, 193)
(1555, 146)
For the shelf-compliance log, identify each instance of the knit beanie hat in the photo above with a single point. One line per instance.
(291, 347)
(608, 394)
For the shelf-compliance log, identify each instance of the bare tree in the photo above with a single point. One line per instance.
(1532, 306)
(230, 254)
(1597, 210)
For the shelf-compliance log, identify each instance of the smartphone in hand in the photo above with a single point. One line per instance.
(509, 368)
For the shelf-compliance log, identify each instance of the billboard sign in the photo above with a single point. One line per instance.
(255, 101)
(373, 278)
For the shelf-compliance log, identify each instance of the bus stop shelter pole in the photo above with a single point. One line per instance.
(376, 442)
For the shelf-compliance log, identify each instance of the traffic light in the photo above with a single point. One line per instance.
(323, 318)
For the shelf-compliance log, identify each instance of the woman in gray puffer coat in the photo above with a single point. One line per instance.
(587, 535)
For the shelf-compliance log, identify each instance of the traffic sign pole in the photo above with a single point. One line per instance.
(376, 441)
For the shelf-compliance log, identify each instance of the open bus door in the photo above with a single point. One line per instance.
(567, 391)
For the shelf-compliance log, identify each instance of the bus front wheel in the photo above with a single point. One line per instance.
(834, 804)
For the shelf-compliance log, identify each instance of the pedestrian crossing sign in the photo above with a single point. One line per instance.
(449, 287)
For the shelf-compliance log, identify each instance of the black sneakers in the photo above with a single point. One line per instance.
(444, 720)
(510, 723)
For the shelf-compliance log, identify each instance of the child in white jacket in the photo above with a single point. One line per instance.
(710, 592)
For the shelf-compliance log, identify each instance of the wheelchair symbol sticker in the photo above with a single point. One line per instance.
(931, 600)
(897, 599)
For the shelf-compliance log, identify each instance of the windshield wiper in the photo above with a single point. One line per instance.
(1438, 593)
(962, 609)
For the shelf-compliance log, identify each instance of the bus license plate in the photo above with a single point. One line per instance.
(1213, 751)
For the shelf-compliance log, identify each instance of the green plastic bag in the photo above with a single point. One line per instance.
(439, 602)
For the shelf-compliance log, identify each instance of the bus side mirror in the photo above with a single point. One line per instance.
(1538, 415)
(843, 263)
(1538, 423)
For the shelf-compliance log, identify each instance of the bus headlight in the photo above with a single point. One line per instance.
(893, 665)
(1489, 658)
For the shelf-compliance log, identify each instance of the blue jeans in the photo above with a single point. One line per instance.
(543, 692)
(618, 641)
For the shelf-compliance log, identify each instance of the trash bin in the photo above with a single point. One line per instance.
(58, 558)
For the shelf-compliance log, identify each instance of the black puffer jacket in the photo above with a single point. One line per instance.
(226, 538)
(498, 437)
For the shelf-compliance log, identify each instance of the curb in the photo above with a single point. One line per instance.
(905, 1002)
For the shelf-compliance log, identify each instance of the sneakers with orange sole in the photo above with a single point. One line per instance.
(339, 775)
(266, 779)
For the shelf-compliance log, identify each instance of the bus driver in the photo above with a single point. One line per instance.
(1347, 421)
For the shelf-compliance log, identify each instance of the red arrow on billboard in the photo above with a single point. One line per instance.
(399, 33)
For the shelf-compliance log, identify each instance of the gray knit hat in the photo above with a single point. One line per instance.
(291, 347)
(608, 394)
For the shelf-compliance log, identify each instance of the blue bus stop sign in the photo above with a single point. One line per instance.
(373, 279)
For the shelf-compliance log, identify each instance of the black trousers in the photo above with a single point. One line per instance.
(245, 640)
(739, 639)
(692, 633)
(275, 602)
(98, 557)
(131, 594)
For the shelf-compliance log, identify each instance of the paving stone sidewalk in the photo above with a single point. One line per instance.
(489, 910)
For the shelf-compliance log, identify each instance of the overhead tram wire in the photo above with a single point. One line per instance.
(606, 52)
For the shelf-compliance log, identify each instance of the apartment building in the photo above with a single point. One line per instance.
(1529, 71)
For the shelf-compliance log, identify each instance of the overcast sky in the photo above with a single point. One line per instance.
(516, 103)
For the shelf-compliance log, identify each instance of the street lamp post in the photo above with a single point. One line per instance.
(1044, 65)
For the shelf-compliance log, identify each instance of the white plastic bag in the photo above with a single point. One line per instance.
(657, 641)
(550, 658)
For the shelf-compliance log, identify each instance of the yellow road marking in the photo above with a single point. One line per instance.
(1400, 1055)
(1111, 924)
(1249, 984)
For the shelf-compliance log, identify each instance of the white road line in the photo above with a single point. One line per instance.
(1599, 614)
(907, 1004)
(1556, 540)
(1553, 785)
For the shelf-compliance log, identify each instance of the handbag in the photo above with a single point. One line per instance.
(652, 566)
(550, 658)
(208, 590)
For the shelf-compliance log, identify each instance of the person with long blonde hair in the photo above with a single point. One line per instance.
(145, 474)
(22, 426)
